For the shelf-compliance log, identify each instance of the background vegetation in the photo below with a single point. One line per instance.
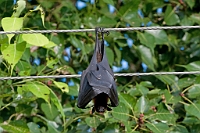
(156, 104)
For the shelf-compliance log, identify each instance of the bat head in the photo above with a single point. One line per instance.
(100, 103)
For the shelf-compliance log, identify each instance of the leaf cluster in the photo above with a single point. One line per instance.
(161, 103)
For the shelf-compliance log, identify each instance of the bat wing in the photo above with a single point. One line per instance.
(103, 82)
(109, 76)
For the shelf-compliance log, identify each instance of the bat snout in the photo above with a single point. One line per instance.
(101, 109)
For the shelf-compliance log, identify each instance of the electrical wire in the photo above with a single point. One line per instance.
(116, 74)
(106, 29)
(92, 30)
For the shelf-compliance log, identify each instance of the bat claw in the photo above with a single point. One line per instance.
(102, 31)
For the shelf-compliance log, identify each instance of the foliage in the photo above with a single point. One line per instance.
(167, 103)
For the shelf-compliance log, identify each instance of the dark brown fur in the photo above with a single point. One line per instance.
(100, 103)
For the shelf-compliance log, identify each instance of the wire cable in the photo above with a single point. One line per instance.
(106, 29)
(116, 74)
(92, 30)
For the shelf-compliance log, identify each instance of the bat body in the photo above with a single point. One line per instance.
(97, 81)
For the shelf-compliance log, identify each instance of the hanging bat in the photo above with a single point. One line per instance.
(97, 81)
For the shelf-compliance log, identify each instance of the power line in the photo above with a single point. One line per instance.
(107, 29)
(116, 74)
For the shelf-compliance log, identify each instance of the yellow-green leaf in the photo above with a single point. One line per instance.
(11, 24)
(50, 44)
(38, 89)
(63, 86)
(13, 52)
(36, 39)
(21, 4)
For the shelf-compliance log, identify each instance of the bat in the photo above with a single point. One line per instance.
(97, 81)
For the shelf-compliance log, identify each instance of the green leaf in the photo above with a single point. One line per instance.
(12, 53)
(132, 18)
(23, 109)
(130, 6)
(50, 45)
(147, 39)
(128, 126)
(23, 68)
(121, 42)
(142, 105)
(193, 66)
(154, 92)
(190, 120)
(6, 95)
(143, 90)
(186, 37)
(128, 13)
(118, 54)
(4, 39)
(146, 56)
(169, 98)
(194, 91)
(193, 109)
(42, 91)
(186, 21)
(88, 48)
(106, 22)
(191, 3)
(109, 2)
(134, 92)
(34, 128)
(195, 17)
(51, 62)
(180, 129)
(185, 82)
(38, 89)
(111, 128)
(92, 121)
(147, 84)
(21, 4)
(50, 111)
(167, 79)
(73, 90)
(158, 127)
(128, 100)
(11, 24)
(164, 115)
(110, 55)
(121, 112)
(160, 36)
(78, 44)
(170, 17)
(52, 126)
(62, 86)
(15, 127)
(57, 103)
(42, 13)
(36, 39)
(75, 42)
